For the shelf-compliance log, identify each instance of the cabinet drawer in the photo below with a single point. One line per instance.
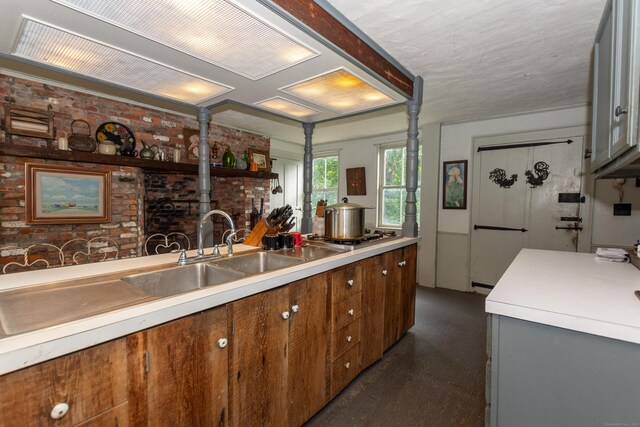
(90, 382)
(344, 370)
(346, 282)
(118, 417)
(345, 312)
(345, 338)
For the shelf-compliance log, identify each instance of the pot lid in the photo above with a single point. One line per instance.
(345, 205)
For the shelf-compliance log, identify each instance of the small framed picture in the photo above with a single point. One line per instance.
(63, 195)
(261, 157)
(454, 184)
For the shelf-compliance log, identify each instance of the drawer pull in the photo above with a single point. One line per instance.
(384, 272)
(351, 312)
(347, 365)
(59, 411)
(349, 338)
(222, 342)
(295, 308)
(350, 282)
(285, 315)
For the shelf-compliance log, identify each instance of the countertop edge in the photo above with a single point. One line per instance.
(23, 350)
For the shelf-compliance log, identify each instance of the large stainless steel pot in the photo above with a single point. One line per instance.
(344, 221)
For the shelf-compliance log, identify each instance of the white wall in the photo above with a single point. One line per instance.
(456, 143)
(358, 153)
(610, 230)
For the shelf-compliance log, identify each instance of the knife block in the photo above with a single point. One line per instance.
(254, 238)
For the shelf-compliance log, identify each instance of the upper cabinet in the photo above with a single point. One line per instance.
(616, 88)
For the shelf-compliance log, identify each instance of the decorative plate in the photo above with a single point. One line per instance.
(117, 133)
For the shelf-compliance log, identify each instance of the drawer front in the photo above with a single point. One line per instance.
(346, 282)
(344, 339)
(345, 312)
(79, 386)
(344, 370)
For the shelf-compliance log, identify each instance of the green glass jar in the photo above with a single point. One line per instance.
(228, 160)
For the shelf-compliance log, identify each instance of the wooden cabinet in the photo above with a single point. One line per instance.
(259, 331)
(179, 372)
(345, 306)
(92, 383)
(399, 293)
(616, 87)
(306, 376)
(278, 345)
(374, 273)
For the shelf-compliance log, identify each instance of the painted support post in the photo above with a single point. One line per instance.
(204, 173)
(410, 225)
(307, 219)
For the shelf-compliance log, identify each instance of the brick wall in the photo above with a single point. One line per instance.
(134, 195)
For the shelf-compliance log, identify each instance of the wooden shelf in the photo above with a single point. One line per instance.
(147, 165)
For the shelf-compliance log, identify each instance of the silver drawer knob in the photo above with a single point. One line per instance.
(295, 308)
(59, 411)
(351, 312)
(384, 272)
(222, 342)
(349, 338)
(285, 315)
(347, 365)
(350, 282)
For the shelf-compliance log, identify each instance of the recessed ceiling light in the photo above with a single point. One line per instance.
(287, 107)
(45, 44)
(217, 31)
(340, 91)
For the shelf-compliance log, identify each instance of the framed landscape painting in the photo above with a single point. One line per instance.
(64, 195)
(454, 184)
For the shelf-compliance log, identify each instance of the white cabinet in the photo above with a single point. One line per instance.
(615, 91)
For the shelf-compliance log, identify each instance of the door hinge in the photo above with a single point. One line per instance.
(587, 153)
(233, 327)
(147, 362)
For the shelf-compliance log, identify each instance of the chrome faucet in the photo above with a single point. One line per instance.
(229, 237)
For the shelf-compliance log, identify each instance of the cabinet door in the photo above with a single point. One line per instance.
(602, 91)
(258, 359)
(90, 382)
(406, 317)
(307, 385)
(622, 22)
(374, 272)
(179, 372)
(392, 297)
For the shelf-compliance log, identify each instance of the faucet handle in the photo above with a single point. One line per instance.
(216, 250)
(182, 259)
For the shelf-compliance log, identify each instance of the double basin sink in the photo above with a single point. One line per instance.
(35, 307)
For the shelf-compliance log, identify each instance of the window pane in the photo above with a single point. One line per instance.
(332, 172)
(392, 206)
(331, 197)
(318, 173)
(393, 166)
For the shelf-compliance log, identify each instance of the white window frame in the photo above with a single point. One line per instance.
(382, 187)
(325, 154)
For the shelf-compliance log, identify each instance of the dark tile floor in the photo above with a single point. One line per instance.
(433, 376)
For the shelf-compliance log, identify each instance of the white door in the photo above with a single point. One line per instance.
(526, 194)
(290, 177)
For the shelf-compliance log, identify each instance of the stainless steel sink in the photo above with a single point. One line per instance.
(177, 280)
(310, 253)
(258, 262)
(36, 307)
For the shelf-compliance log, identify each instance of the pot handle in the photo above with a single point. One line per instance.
(345, 200)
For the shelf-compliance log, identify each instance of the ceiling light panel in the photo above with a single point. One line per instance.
(340, 91)
(42, 43)
(216, 31)
(284, 106)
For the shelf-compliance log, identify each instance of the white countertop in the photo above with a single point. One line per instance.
(22, 350)
(572, 291)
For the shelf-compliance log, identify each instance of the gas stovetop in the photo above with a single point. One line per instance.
(377, 236)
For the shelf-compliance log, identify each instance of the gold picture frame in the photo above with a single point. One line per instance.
(66, 195)
(261, 157)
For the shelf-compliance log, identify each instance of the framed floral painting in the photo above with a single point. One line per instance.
(454, 184)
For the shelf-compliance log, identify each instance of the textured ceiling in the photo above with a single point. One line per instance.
(487, 58)
(479, 59)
